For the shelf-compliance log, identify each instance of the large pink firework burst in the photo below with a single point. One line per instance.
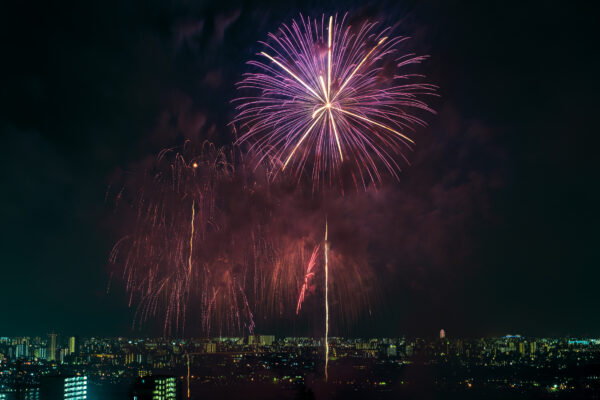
(327, 94)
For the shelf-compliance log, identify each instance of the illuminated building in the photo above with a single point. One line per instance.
(267, 340)
(40, 352)
(532, 348)
(51, 347)
(261, 340)
(210, 347)
(63, 353)
(391, 350)
(442, 334)
(129, 358)
(22, 350)
(362, 346)
(522, 348)
(72, 345)
(63, 388)
(157, 387)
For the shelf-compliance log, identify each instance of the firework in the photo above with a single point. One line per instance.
(168, 258)
(326, 94)
(205, 245)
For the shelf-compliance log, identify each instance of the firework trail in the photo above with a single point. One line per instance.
(326, 95)
(188, 375)
(307, 277)
(191, 237)
(326, 253)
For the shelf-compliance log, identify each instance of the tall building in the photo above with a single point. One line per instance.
(41, 353)
(156, 387)
(210, 347)
(522, 348)
(442, 334)
(22, 350)
(72, 345)
(51, 347)
(532, 348)
(63, 388)
(63, 353)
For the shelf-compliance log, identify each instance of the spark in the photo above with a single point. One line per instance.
(325, 92)
(292, 74)
(329, 33)
(191, 239)
(376, 123)
(337, 137)
(299, 143)
(358, 67)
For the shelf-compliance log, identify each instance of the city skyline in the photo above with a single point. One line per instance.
(122, 368)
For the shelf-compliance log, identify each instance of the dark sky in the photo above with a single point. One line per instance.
(492, 230)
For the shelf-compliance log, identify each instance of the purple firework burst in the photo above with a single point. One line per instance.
(327, 94)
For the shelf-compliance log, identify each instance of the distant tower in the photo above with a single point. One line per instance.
(442, 334)
(72, 345)
(51, 347)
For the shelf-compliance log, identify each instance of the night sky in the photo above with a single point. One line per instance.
(492, 230)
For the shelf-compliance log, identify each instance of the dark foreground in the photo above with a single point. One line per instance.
(369, 379)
